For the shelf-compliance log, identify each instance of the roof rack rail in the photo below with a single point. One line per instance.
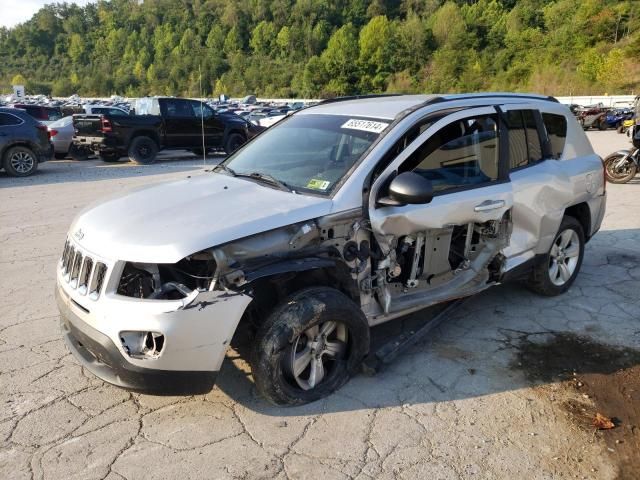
(358, 97)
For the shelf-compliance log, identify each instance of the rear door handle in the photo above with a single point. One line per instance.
(489, 205)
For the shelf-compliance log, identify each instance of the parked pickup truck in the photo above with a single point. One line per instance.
(160, 123)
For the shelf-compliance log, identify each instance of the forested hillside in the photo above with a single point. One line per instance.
(313, 48)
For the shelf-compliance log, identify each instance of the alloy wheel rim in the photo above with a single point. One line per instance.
(315, 351)
(563, 258)
(22, 162)
(621, 171)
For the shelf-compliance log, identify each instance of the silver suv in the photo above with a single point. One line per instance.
(344, 215)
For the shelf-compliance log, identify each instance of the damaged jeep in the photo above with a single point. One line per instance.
(343, 216)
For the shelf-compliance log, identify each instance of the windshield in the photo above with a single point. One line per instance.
(308, 152)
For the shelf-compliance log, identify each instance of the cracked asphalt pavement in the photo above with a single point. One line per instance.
(452, 406)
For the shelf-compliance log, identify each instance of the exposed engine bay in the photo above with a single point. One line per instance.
(420, 268)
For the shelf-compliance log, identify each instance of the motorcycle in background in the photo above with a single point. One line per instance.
(622, 166)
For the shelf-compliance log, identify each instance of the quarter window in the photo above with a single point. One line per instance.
(556, 126)
(525, 147)
(462, 153)
(8, 120)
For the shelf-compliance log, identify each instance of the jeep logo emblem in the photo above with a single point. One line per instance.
(79, 234)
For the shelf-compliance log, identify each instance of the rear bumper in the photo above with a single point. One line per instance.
(98, 354)
(45, 154)
(98, 144)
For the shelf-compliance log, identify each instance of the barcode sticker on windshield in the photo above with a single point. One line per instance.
(318, 184)
(365, 125)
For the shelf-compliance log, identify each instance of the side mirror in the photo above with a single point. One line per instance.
(408, 188)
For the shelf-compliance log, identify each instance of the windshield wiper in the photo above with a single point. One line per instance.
(265, 177)
(226, 169)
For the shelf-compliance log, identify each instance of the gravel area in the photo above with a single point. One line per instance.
(456, 405)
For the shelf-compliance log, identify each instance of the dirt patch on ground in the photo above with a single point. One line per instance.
(594, 379)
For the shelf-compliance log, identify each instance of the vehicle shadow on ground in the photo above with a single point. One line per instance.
(64, 171)
(478, 351)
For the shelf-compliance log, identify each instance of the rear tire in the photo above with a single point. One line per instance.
(20, 162)
(234, 141)
(79, 153)
(143, 150)
(622, 174)
(560, 266)
(319, 330)
(110, 157)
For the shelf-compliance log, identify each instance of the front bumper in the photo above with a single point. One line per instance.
(97, 353)
(196, 336)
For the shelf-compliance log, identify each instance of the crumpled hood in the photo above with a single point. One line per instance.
(165, 222)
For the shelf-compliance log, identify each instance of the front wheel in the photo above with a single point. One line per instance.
(143, 150)
(618, 171)
(560, 266)
(309, 346)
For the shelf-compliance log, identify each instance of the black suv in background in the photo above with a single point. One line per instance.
(161, 123)
(24, 142)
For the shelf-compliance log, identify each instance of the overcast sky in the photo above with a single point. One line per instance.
(13, 12)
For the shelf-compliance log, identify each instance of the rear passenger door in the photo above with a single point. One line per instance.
(540, 188)
(182, 127)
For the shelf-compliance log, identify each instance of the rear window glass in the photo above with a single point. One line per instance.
(53, 114)
(556, 126)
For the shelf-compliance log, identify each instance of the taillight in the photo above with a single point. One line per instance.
(604, 177)
(43, 128)
(52, 132)
(106, 124)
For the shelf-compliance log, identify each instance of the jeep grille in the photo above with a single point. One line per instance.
(82, 272)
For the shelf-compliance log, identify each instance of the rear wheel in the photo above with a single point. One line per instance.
(20, 162)
(619, 173)
(234, 141)
(143, 150)
(79, 153)
(309, 346)
(109, 157)
(559, 269)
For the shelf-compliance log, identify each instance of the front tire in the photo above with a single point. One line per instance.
(234, 142)
(309, 347)
(621, 174)
(560, 266)
(143, 150)
(20, 162)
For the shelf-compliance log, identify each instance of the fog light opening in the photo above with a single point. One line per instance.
(142, 345)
